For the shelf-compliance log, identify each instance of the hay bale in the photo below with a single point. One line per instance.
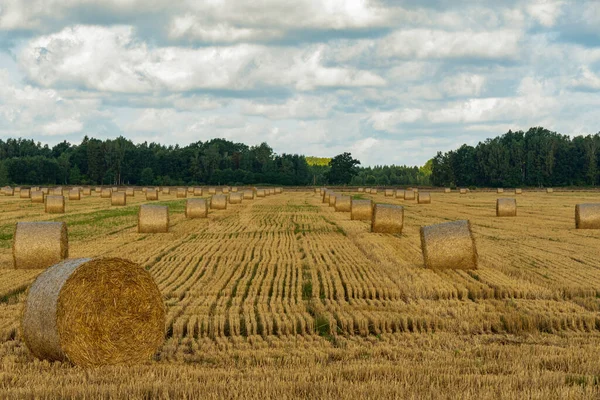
(373, 191)
(212, 190)
(46, 191)
(17, 189)
(38, 245)
(87, 191)
(261, 193)
(368, 190)
(153, 219)
(500, 190)
(74, 194)
(343, 204)
(236, 198)
(115, 189)
(389, 193)
(518, 191)
(166, 190)
(118, 199)
(326, 195)
(151, 194)
(37, 197)
(106, 193)
(463, 191)
(400, 194)
(97, 189)
(416, 190)
(332, 199)
(587, 216)
(55, 204)
(361, 210)
(248, 194)
(25, 193)
(409, 195)
(8, 191)
(423, 198)
(58, 191)
(225, 190)
(549, 190)
(181, 193)
(506, 207)
(218, 202)
(447, 190)
(144, 190)
(387, 218)
(317, 190)
(449, 245)
(361, 190)
(130, 192)
(278, 190)
(197, 191)
(271, 191)
(234, 189)
(94, 312)
(196, 208)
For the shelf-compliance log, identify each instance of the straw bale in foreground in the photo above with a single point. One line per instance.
(37, 197)
(343, 204)
(506, 207)
(587, 216)
(94, 312)
(449, 245)
(153, 219)
(25, 193)
(38, 245)
(196, 208)
(55, 204)
(118, 199)
(387, 218)
(218, 202)
(423, 198)
(362, 210)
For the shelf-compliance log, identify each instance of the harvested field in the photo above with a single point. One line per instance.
(285, 297)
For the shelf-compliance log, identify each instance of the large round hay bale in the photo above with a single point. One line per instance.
(17, 189)
(130, 192)
(38, 245)
(118, 199)
(234, 189)
(449, 245)
(46, 191)
(115, 188)
(361, 190)
(387, 218)
(261, 193)
(55, 204)
(389, 193)
(278, 190)
(86, 191)
(399, 194)
(225, 190)
(144, 190)
(212, 190)
(587, 216)
(343, 204)
(218, 202)
(518, 191)
(94, 312)
(332, 199)
(362, 210)
(409, 195)
(37, 197)
(74, 194)
(499, 190)
(151, 194)
(549, 190)
(197, 191)
(506, 207)
(248, 194)
(153, 219)
(236, 198)
(463, 191)
(106, 193)
(196, 208)
(423, 198)
(166, 190)
(373, 191)
(25, 193)
(368, 190)
(416, 190)
(181, 193)
(8, 191)
(98, 189)
(447, 190)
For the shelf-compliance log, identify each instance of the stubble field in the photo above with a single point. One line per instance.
(283, 297)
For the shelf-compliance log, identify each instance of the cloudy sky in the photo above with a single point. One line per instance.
(391, 81)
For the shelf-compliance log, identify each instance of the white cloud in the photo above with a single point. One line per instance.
(545, 12)
(63, 127)
(586, 80)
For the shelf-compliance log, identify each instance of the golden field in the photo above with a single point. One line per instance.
(283, 297)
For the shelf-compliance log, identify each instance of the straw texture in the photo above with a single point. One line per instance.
(463, 191)
(98, 189)
(387, 218)
(118, 199)
(278, 190)
(361, 190)
(368, 190)
(326, 195)
(549, 190)
(181, 193)
(94, 312)
(38, 245)
(37, 197)
(212, 190)
(389, 192)
(332, 199)
(499, 190)
(447, 190)
(46, 191)
(271, 191)
(196, 208)
(225, 190)
(25, 193)
(449, 245)
(236, 198)
(248, 194)
(197, 191)
(409, 195)
(218, 202)
(151, 194)
(260, 193)
(400, 194)
(343, 204)
(587, 216)
(55, 204)
(130, 192)
(8, 191)
(166, 190)
(373, 191)
(153, 219)
(234, 189)
(506, 207)
(518, 191)
(362, 210)
(423, 198)
(106, 193)
(74, 194)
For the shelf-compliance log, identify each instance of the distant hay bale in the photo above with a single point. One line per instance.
(25, 193)
(260, 193)
(234, 189)
(409, 195)
(389, 193)
(98, 189)
(218, 202)
(271, 192)
(518, 191)
(225, 190)
(463, 191)
(17, 189)
(197, 191)
(549, 190)
(387, 218)
(166, 190)
(317, 190)
(38, 245)
(118, 199)
(94, 312)
(423, 198)
(130, 192)
(236, 198)
(8, 191)
(87, 191)
(55, 204)
(151, 194)
(278, 190)
(343, 204)
(587, 216)
(74, 194)
(447, 190)
(332, 199)
(368, 190)
(58, 191)
(115, 189)
(144, 190)
(361, 190)
(37, 197)
(416, 190)
(362, 210)
(212, 190)
(449, 245)
(46, 191)
(506, 207)
(373, 191)
(500, 190)
(181, 193)
(326, 195)
(400, 194)
(153, 219)
(248, 194)
(105, 193)
(196, 208)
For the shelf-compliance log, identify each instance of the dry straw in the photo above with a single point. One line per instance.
(236, 198)
(118, 199)
(389, 192)
(506, 207)
(181, 193)
(271, 192)
(387, 218)
(587, 216)
(106, 193)
(248, 194)
(153, 219)
(234, 189)
(373, 191)
(400, 194)
(416, 190)
(55, 204)
(332, 199)
(361, 190)
(449, 245)
(87, 191)
(58, 191)
(368, 190)
(362, 210)
(343, 204)
(196, 208)
(260, 193)
(94, 312)
(37, 197)
(46, 191)
(115, 189)
(447, 190)
(278, 190)
(423, 198)
(212, 190)
(130, 192)
(463, 191)
(151, 194)
(8, 191)
(326, 195)
(518, 191)
(25, 193)
(166, 190)
(98, 189)
(74, 194)
(317, 190)
(225, 190)
(17, 189)
(197, 191)
(38, 245)
(409, 195)
(549, 190)
(218, 202)
(500, 190)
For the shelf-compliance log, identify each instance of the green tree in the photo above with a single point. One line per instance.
(342, 168)
(147, 177)
(3, 174)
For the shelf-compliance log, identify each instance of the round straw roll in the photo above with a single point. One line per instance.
(449, 245)
(500, 190)
(46, 191)
(409, 195)
(447, 190)
(166, 190)
(181, 193)
(153, 219)
(423, 198)
(361, 190)
(317, 190)
(235, 198)
(218, 202)
(587, 216)
(362, 210)
(98, 189)
(518, 191)
(38, 245)
(278, 190)
(387, 218)
(271, 192)
(196, 208)
(326, 195)
(225, 190)
(549, 190)
(332, 199)
(118, 199)
(463, 191)
(130, 192)
(248, 194)
(144, 190)
(106, 193)
(234, 189)
(506, 208)
(25, 193)
(8, 191)
(74, 194)
(37, 197)
(197, 191)
(94, 312)
(212, 190)
(343, 204)
(151, 194)
(55, 204)
(389, 193)
(17, 189)
(373, 191)
(261, 193)
(400, 194)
